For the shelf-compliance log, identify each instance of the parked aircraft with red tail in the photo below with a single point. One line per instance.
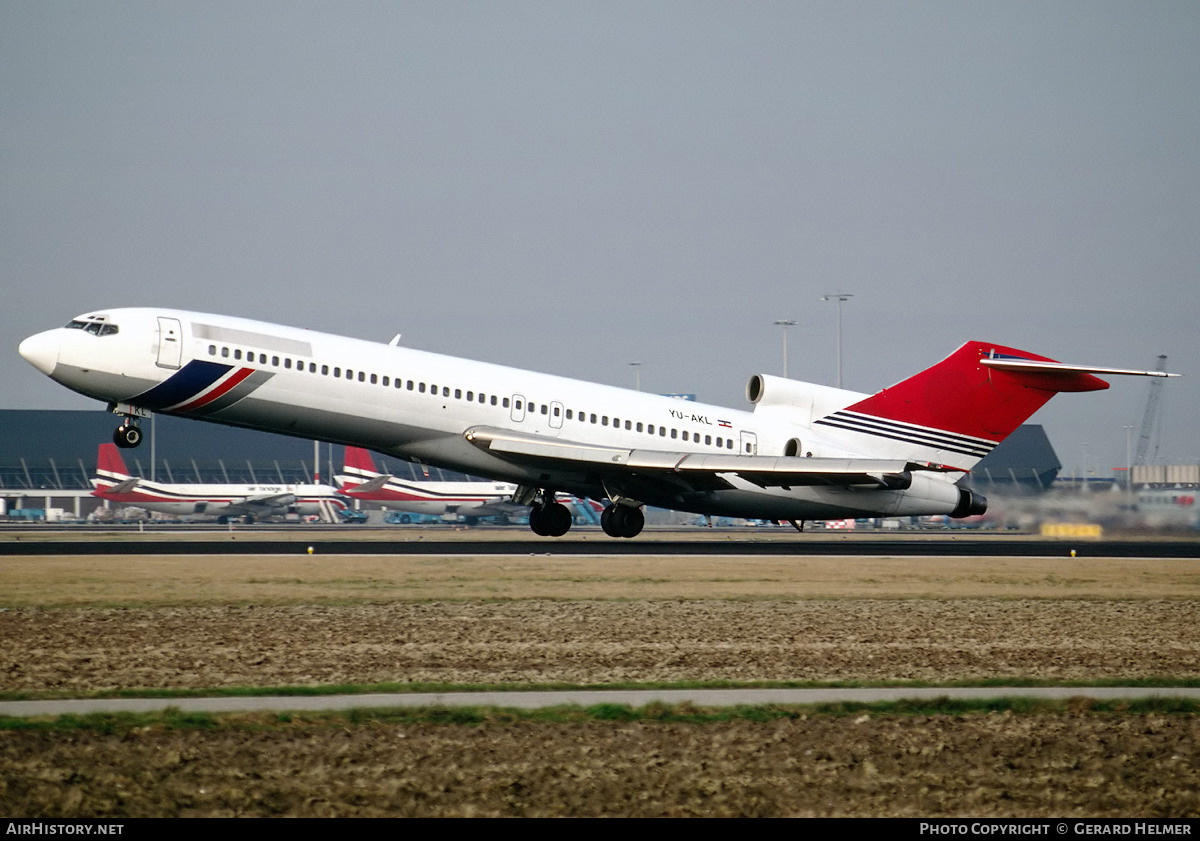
(466, 499)
(114, 483)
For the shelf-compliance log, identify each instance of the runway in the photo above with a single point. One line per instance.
(351, 540)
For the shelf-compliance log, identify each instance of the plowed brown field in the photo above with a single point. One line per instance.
(75, 625)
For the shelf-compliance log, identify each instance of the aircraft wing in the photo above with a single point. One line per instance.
(700, 471)
(499, 507)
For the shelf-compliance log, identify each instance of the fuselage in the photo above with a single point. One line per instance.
(418, 405)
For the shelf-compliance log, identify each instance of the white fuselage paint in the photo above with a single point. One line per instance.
(316, 385)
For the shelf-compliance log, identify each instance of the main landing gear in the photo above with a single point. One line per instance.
(127, 435)
(548, 518)
(622, 521)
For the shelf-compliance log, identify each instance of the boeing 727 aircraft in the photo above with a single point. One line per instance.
(114, 483)
(805, 451)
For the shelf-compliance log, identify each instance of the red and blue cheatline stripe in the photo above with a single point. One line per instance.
(201, 386)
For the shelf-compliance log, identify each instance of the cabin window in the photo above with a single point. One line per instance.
(685, 435)
(628, 425)
(212, 350)
(325, 370)
(505, 403)
(312, 367)
(639, 426)
(674, 433)
(707, 440)
(422, 388)
(544, 408)
(287, 363)
(458, 394)
(445, 391)
(225, 352)
(471, 397)
(237, 354)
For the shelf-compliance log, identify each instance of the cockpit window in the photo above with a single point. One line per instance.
(93, 326)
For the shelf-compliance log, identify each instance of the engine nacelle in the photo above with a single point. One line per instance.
(970, 504)
(808, 399)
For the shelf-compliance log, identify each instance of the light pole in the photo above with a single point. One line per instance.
(637, 374)
(841, 298)
(1128, 458)
(785, 324)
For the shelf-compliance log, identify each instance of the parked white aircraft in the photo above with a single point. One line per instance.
(114, 483)
(362, 480)
(805, 452)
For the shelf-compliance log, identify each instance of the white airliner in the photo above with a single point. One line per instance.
(362, 480)
(114, 483)
(805, 451)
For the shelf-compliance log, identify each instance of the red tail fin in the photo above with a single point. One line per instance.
(108, 460)
(360, 460)
(964, 395)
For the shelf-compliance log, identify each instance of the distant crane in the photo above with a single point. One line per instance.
(1152, 420)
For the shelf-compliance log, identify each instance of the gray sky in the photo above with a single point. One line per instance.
(571, 186)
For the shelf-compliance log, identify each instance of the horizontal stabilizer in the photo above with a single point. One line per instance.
(124, 487)
(369, 486)
(1033, 366)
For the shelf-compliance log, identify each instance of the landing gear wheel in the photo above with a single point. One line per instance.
(622, 521)
(127, 436)
(535, 521)
(551, 520)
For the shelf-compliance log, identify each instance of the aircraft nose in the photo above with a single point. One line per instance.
(41, 351)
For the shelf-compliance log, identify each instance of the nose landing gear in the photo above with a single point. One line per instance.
(127, 435)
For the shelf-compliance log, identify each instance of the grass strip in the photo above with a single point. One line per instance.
(173, 719)
(418, 688)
